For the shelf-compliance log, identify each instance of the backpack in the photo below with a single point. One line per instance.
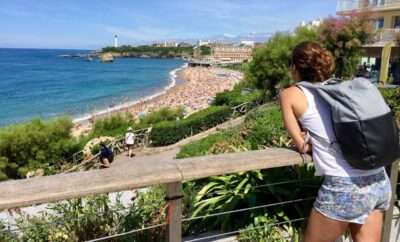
(365, 128)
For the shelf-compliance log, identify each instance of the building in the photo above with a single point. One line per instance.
(385, 15)
(202, 43)
(231, 53)
(184, 44)
(310, 24)
(116, 41)
(166, 44)
(248, 43)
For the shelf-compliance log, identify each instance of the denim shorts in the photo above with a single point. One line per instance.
(352, 199)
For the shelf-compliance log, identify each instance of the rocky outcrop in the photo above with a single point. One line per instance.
(106, 57)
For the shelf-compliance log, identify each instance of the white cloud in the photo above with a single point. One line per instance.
(229, 35)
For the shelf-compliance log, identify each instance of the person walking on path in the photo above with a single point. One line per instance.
(349, 198)
(130, 141)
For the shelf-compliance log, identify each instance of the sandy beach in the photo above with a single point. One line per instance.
(194, 89)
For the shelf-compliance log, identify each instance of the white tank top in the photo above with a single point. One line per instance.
(328, 160)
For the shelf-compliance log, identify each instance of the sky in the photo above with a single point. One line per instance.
(91, 24)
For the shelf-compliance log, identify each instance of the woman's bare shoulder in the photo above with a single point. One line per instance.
(292, 92)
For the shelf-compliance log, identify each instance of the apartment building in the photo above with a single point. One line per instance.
(385, 15)
(231, 53)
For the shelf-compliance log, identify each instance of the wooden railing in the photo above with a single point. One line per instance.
(142, 139)
(22, 193)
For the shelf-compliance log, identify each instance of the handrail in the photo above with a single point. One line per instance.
(21, 193)
(79, 160)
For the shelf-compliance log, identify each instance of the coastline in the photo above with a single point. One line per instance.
(191, 87)
(84, 122)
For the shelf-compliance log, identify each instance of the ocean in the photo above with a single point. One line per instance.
(40, 83)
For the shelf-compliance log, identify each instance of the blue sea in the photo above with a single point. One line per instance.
(40, 83)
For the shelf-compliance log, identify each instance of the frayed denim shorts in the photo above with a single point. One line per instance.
(352, 199)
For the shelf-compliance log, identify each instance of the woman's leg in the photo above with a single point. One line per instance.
(106, 163)
(370, 231)
(323, 229)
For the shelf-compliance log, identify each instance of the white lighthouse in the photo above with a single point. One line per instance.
(116, 41)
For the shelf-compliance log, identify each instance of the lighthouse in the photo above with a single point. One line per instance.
(116, 41)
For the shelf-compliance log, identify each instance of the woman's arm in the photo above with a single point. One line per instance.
(287, 98)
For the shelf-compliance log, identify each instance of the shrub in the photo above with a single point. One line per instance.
(392, 97)
(33, 145)
(213, 144)
(263, 230)
(344, 37)
(147, 210)
(163, 114)
(269, 68)
(114, 125)
(266, 128)
(263, 127)
(240, 95)
(93, 217)
(170, 132)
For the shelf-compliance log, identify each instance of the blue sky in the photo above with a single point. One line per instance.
(92, 23)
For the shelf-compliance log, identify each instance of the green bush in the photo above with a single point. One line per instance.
(147, 210)
(240, 95)
(93, 217)
(392, 97)
(32, 145)
(345, 38)
(263, 127)
(263, 230)
(269, 68)
(114, 125)
(170, 132)
(266, 128)
(212, 144)
(163, 114)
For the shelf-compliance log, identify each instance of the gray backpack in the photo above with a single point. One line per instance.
(363, 123)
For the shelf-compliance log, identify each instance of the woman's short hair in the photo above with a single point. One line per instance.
(313, 62)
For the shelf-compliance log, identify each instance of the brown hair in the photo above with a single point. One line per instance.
(313, 62)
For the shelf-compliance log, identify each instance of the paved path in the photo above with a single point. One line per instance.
(163, 154)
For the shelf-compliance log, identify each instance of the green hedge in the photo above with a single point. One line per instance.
(238, 96)
(35, 144)
(170, 132)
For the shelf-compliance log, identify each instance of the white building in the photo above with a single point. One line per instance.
(248, 43)
(116, 41)
(203, 43)
(312, 23)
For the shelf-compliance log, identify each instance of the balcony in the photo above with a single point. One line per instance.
(387, 35)
(345, 6)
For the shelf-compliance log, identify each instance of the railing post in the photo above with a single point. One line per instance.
(174, 212)
(388, 217)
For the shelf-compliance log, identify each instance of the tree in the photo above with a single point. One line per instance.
(344, 37)
(269, 68)
(205, 50)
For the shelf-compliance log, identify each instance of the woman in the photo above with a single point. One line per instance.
(348, 198)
